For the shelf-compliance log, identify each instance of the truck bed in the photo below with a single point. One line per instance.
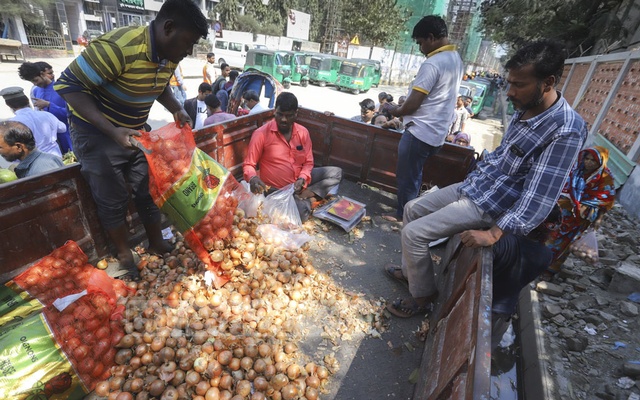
(41, 213)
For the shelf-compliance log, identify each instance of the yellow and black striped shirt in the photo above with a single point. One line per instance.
(122, 71)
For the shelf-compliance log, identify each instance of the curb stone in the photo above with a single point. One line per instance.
(537, 383)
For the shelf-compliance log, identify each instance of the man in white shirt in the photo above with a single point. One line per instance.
(44, 125)
(252, 101)
(196, 107)
(208, 71)
(428, 111)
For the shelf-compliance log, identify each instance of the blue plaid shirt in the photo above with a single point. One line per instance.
(520, 181)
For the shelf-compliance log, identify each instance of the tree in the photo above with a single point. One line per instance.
(576, 23)
(29, 11)
(376, 22)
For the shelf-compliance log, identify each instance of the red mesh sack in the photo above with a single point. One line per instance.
(198, 195)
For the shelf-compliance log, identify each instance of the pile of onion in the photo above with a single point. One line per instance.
(186, 340)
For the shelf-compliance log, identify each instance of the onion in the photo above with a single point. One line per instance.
(260, 383)
(279, 381)
(312, 381)
(212, 394)
(264, 350)
(225, 357)
(178, 377)
(246, 363)
(123, 356)
(226, 381)
(322, 372)
(234, 365)
(202, 387)
(156, 388)
(289, 392)
(243, 388)
(293, 371)
(259, 365)
(102, 389)
(124, 396)
(311, 393)
(170, 393)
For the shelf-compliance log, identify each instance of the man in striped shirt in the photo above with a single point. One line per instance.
(110, 89)
(512, 190)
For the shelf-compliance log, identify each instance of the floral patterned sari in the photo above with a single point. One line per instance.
(583, 200)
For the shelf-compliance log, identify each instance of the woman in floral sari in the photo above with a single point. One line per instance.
(587, 195)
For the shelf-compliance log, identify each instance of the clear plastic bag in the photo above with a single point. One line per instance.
(250, 202)
(586, 247)
(289, 239)
(281, 207)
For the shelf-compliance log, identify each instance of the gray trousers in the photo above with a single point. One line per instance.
(435, 215)
(323, 181)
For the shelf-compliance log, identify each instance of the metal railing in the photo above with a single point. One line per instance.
(46, 42)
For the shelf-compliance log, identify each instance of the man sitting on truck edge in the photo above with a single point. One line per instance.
(110, 89)
(44, 126)
(428, 109)
(17, 143)
(283, 149)
(512, 189)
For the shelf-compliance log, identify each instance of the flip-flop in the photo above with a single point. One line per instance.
(394, 272)
(401, 308)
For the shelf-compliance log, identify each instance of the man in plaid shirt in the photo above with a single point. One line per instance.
(512, 190)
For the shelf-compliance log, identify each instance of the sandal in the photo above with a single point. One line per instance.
(395, 272)
(407, 308)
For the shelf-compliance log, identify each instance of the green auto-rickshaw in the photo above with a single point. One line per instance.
(273, 62)
(376, 70)
(355, 76)
(300, 68)
(324, 68)
(479, 95)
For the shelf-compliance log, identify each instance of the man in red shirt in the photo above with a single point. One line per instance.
(282, 148)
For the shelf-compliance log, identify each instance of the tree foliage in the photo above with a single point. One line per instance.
(28, 10)
(576, 23)
(376, 22)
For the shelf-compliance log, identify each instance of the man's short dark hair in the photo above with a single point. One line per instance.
(16, 132)
(233, 75)
(186, 14)
(287, 101)
(223, 66)
(431, 24)
(43, 65)
(212, 101)
(204, 87)
(546, 56)
(251, 95)
(368, 104)
(17, 102)
(28, 71)
(209, 55)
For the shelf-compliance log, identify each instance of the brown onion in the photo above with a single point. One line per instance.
(289, 392)
(243, 388)
(225, 357)
(156, 387)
